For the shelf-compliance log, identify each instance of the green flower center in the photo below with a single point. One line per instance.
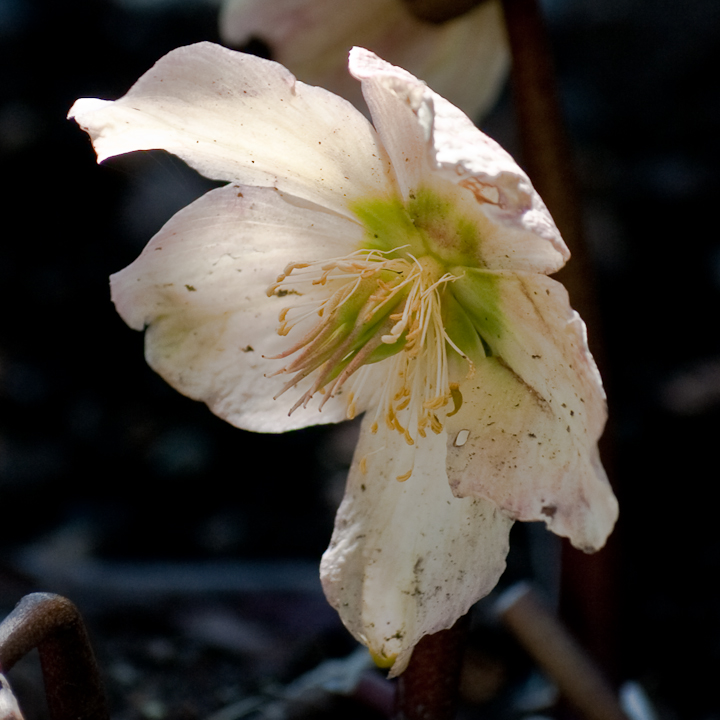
(391, 300)
(426, 225)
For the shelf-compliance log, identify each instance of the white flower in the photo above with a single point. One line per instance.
(398, 270)
(465, 59)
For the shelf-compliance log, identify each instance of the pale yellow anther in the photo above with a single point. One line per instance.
(403, 478)
(436, 403)
(414, 332)
(363, 465)
(272, 288)
(352, 408)
(295, 266)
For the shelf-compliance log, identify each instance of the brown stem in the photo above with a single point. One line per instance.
(546, 152)
(53, 625)
(428, 689)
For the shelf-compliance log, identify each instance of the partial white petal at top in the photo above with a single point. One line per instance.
(308, 34)
(312, 37)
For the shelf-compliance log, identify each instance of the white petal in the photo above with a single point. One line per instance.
(199, 288)
(303, 31)
(433, 143)
(407, 559)
(534, 412)
(464, 155)
(312, 37)
(472, 46)
(237, 117)
(401, 109)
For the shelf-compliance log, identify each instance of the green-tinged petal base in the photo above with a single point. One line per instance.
(532, 413)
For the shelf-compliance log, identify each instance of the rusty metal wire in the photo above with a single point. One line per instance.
(53, 625)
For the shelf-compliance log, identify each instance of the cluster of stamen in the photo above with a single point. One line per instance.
(377, 308)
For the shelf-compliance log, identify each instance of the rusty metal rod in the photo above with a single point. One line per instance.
(53, 625)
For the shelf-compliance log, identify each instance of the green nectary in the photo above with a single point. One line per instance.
(478, 293)
(427, 224)
(415, 286)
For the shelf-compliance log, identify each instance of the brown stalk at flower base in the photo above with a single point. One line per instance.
(53, 625)
(428, 689)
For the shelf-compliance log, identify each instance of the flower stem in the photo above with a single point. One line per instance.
(428, 689)
(545, 148)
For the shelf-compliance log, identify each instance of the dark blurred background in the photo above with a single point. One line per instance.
(101, 461)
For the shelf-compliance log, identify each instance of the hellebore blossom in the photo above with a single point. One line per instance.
(398, 270)
(465, 59)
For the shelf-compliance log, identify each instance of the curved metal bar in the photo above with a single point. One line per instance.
(53, 625)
